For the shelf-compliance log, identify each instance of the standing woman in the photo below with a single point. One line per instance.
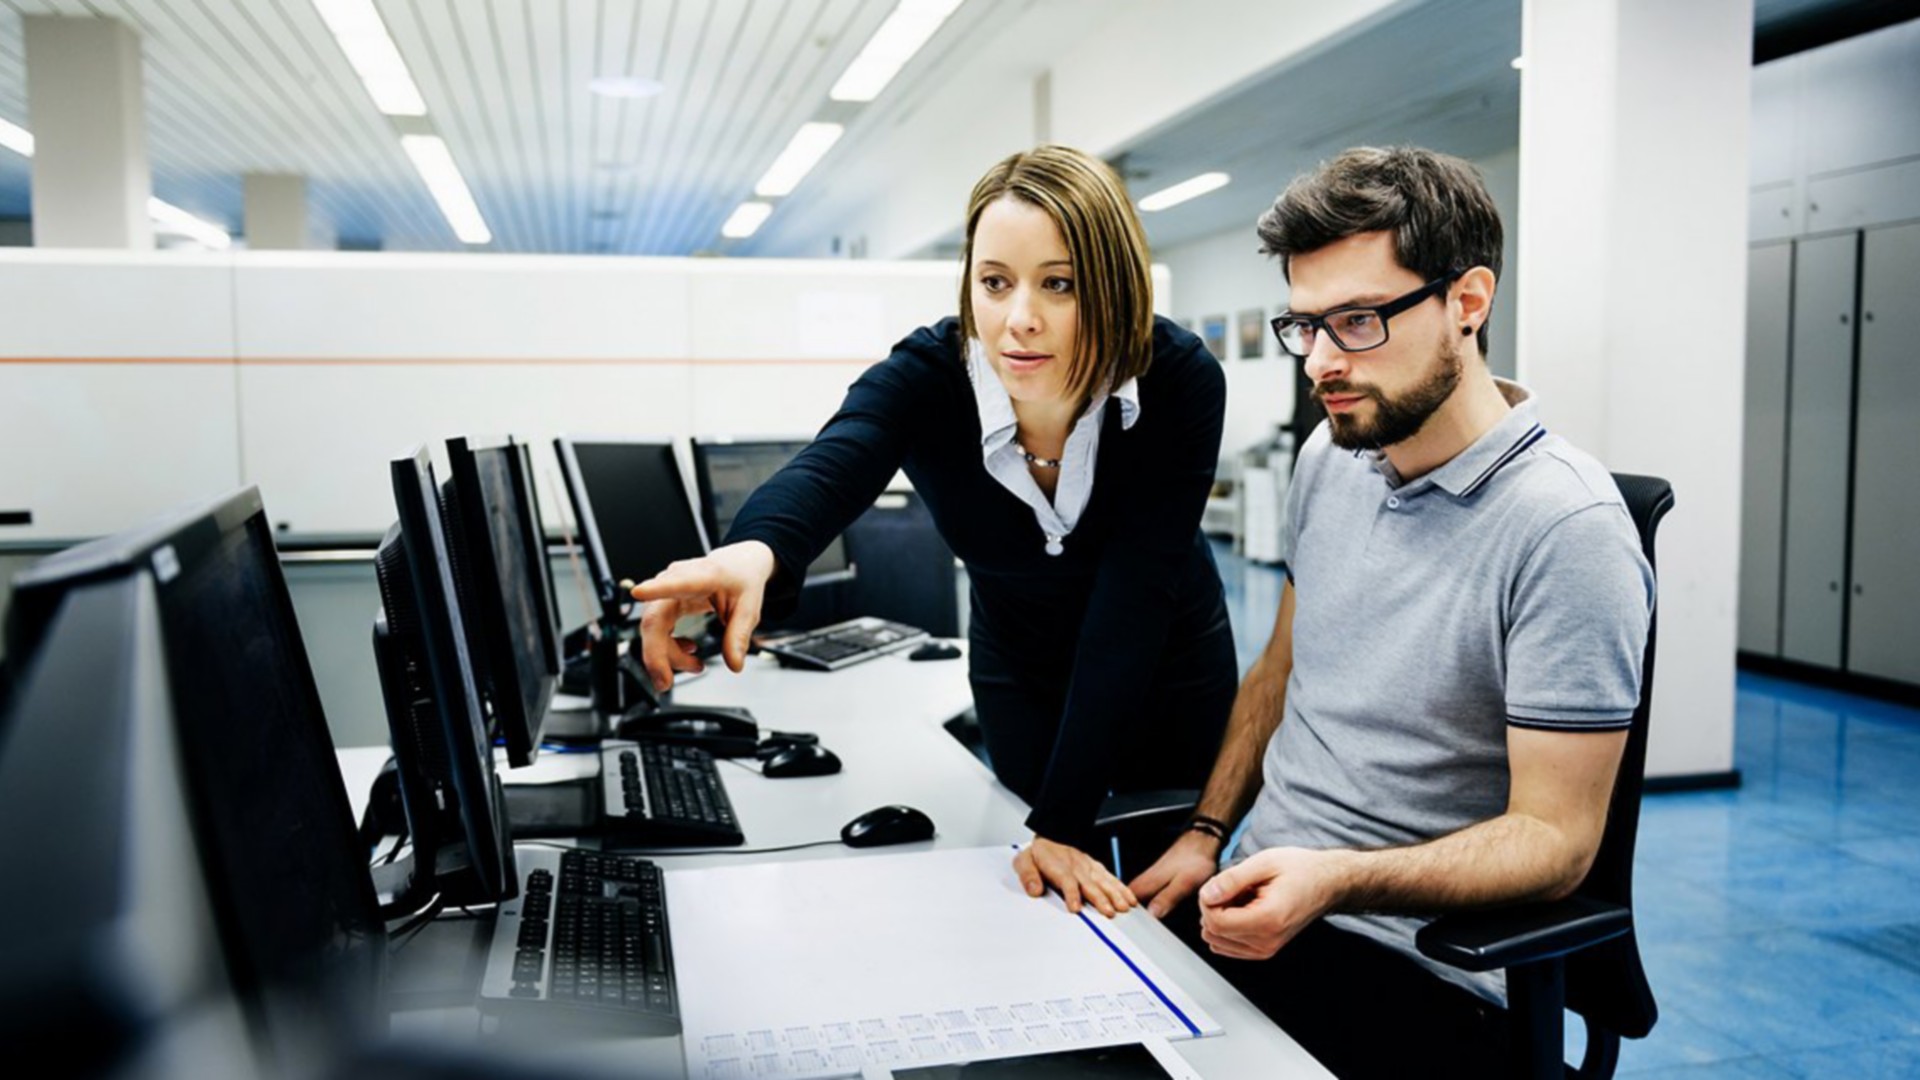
(1064, 440)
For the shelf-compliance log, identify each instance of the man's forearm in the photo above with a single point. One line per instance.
(1257, 709)
(1507, 859)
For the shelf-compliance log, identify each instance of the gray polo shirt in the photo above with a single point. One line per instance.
(1504, 588)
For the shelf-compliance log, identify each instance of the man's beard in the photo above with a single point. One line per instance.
(1397, 419)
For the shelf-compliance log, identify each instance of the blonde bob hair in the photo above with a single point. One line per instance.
(1111, 277)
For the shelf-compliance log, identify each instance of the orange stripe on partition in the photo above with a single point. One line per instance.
(434, 361)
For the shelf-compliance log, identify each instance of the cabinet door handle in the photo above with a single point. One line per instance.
(16, 517)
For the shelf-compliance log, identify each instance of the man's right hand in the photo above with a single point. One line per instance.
(730, 581)
(1186, 866)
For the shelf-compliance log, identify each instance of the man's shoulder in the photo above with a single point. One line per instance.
(1555, 479)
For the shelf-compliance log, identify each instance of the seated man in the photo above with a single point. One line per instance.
(1438, 718)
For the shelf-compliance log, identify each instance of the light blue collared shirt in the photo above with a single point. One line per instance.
(1002, 455)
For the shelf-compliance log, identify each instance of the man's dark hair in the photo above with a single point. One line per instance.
(1442, 219)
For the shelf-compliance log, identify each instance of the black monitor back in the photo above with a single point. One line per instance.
(283, 875)
(113, 957)
(454, 809)
(503, 580)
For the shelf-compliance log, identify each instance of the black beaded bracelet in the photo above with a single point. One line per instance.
(1213, 827)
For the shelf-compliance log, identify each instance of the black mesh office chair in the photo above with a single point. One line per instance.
(1578, 953)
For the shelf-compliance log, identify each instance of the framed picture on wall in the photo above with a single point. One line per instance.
(1253, 333)
(1213, 331)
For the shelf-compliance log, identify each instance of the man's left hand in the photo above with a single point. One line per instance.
(1249, 910)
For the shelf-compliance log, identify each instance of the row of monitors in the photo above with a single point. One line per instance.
(624, 495)
(165, 765)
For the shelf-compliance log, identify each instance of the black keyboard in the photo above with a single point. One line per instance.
(665, 795)
(586, 940)
(832, 647)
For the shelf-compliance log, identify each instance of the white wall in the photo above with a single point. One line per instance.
(1224, 275)
(1633, 152)
(133, 383)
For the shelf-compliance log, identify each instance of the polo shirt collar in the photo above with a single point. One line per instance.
(1472, 468)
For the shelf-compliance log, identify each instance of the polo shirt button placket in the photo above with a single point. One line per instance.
(1393, 502)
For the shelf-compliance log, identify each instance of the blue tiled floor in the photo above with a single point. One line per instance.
(1779, 922)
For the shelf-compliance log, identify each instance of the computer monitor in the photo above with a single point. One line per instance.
(284, 877)
(109, 838)
(502, 578)
(455, 813)
(630, 500)
(727, 471)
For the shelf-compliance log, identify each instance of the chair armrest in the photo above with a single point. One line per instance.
(1138, 809)
(1524, 934)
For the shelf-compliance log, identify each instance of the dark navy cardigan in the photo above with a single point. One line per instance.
(1136, 576)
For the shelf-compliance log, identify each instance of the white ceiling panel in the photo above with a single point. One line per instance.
(238, 86)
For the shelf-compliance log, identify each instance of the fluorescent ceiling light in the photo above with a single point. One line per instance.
(16, 138)
(363, 37)
(435, 164)
(808, 146)
(1184, 190)
(625, 86)
(890, 47)
(746, 220)
(168, 218)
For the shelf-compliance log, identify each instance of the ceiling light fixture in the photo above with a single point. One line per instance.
(625, 86)
(890, 47)
(170, 219)
(1184, 190)
(16, 138)
(745, 220)
(434, 162)
(357, 26)
(803, 152)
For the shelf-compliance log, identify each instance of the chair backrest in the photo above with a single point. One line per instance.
(1607, 984)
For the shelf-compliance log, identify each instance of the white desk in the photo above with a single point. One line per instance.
(884, 719)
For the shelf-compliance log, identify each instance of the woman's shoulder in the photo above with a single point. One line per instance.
(923, 360)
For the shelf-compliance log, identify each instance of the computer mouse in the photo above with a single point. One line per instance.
(887, 825)
(802, 759)
(935, 650)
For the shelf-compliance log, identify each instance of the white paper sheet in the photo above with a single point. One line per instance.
(821, 968)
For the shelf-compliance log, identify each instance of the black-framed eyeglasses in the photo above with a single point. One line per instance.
(1353, 329)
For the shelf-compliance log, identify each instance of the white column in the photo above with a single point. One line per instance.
(276, 211)
(1632, 256)
(85, 107)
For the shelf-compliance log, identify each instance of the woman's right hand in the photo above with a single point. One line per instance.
(731, 581)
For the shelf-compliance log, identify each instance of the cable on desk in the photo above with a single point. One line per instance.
(737, 763)
(419, 922)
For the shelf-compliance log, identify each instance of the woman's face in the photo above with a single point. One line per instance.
(1025, 307)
